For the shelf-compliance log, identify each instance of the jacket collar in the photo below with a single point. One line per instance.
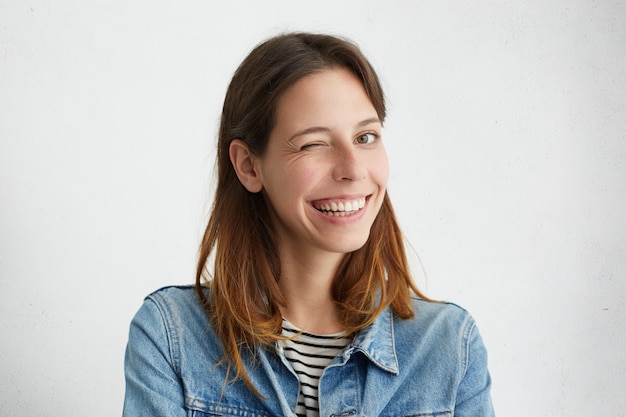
(377, 343)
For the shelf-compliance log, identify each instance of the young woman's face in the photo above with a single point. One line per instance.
(325, 170)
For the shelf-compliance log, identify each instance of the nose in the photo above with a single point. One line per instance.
(349, 165)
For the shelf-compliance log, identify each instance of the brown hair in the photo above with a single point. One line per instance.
(245, 298)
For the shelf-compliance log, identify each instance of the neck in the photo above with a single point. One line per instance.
(306, 286)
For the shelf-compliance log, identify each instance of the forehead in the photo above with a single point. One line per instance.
(327, 98)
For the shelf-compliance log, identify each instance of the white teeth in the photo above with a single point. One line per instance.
(341, 208)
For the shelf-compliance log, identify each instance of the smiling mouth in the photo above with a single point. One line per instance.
(341, 208)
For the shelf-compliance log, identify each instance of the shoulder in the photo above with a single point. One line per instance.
(436, 322)
(176, 308)
(441, 347)
(432, 312)
(177, 297)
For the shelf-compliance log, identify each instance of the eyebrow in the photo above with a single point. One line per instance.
(319, 129)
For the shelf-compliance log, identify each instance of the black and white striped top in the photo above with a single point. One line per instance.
(309, 354)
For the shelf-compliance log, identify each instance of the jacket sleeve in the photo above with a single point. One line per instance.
(473, 395)
(153, 385)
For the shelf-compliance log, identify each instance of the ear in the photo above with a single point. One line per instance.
(244, 163)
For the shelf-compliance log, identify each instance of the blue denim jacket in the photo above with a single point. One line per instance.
(432, 365)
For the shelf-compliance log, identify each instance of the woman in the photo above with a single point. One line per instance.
(309, 308)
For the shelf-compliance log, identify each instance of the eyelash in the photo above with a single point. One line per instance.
(308, 145)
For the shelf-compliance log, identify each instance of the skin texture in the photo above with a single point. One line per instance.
(324, 152)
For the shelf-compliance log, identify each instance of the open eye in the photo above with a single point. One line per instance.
(366, 138)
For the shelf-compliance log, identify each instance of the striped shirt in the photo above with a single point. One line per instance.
(309, 354)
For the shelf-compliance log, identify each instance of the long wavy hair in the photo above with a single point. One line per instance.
(243, 304)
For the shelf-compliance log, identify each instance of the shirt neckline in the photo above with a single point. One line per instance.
(289, 325)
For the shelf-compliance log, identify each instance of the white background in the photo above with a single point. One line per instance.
(506, 134)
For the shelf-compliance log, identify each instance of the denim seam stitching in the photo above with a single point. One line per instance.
(172, 337)
(210, 407)
(469, 327)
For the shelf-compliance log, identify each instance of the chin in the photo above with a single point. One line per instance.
(350, 246)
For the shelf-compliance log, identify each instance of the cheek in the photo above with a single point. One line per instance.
(379, 168)
(295, 180)
(305, 176)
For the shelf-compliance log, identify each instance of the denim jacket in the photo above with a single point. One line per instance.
(432, 365)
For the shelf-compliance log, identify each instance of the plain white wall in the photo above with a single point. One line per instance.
(506, 134)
